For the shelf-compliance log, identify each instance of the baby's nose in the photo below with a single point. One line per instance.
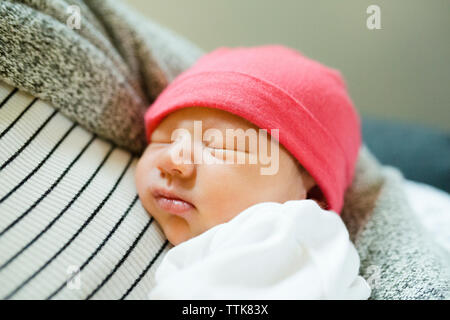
(177, 160)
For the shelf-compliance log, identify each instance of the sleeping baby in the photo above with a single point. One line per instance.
(249, 156)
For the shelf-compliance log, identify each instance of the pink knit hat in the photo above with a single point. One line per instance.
(275, 87)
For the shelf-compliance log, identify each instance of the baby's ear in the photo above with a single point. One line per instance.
(308, 181)
(313, 191)
(316, 194)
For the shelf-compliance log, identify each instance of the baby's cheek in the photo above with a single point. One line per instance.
(232, 179)
(139, 177)
(229, 189)
(143, 175)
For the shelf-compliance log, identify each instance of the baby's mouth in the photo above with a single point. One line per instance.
(171, 203)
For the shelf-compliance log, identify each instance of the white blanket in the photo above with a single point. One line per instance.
(293, 250)
(432, 207)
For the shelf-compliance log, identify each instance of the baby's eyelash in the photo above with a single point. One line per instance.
(225, 150)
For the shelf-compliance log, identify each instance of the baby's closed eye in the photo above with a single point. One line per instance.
(223, 150)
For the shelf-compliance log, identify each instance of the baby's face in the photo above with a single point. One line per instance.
(191, 196)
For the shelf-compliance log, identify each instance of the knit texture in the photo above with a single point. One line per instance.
(398, 257)
(67, 196)
(114, 60)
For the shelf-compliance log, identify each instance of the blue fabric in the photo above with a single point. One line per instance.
(421, 153)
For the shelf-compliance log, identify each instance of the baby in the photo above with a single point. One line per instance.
(250, 153)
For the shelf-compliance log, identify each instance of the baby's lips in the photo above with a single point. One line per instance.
(170, 194)
(177, 207)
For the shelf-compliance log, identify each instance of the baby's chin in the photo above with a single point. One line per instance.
(177, 230)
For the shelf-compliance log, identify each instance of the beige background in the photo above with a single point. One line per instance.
(399, 72)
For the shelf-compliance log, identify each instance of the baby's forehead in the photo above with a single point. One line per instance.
(204, 117)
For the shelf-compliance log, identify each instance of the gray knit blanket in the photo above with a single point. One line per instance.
(100, 65)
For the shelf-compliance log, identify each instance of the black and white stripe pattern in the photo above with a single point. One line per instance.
(68, 202)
